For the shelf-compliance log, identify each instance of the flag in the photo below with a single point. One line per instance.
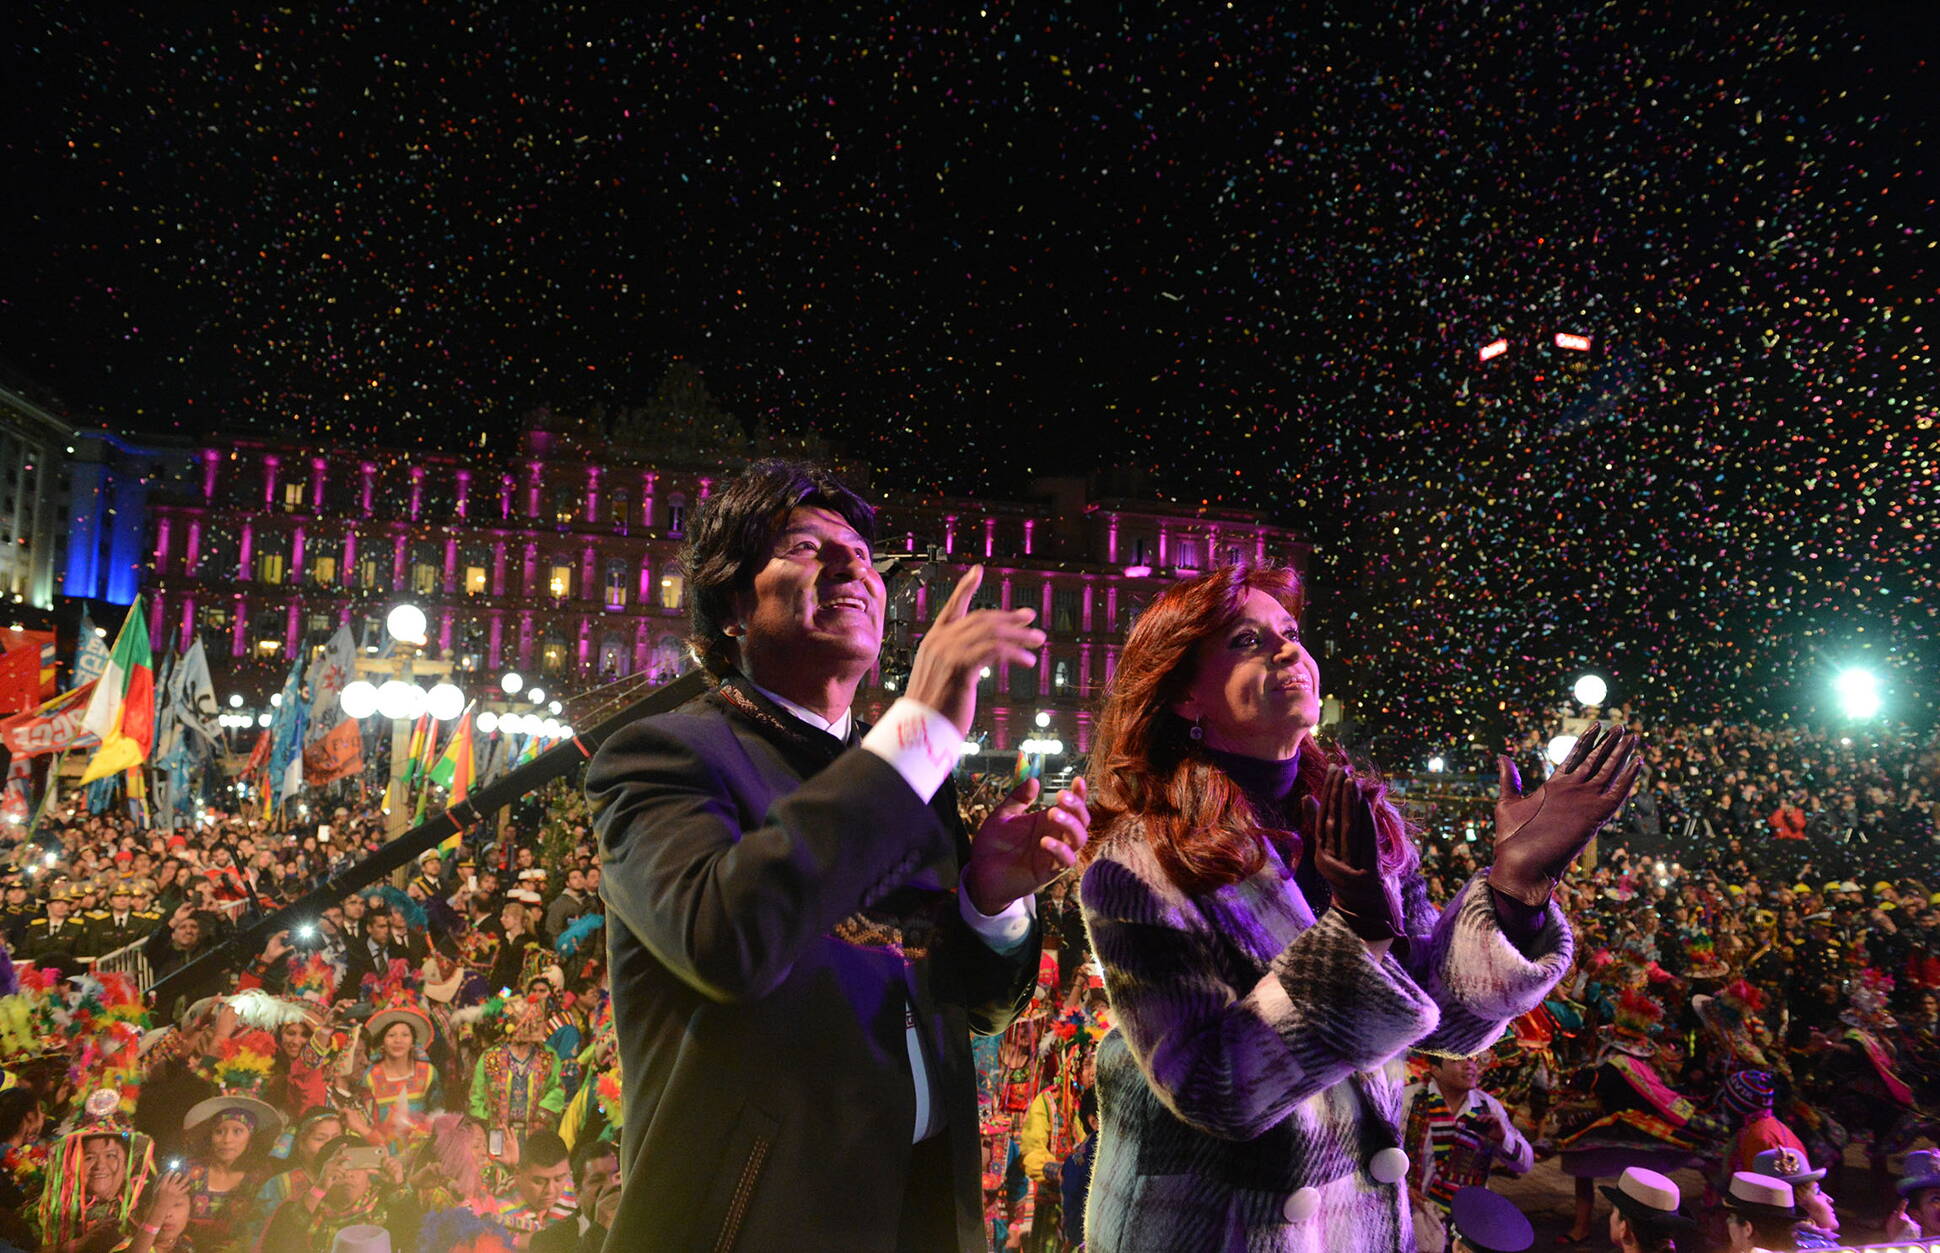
(20, 679)
(258, 756)
(13, 803)
(337, 755)
(328, 675)
(194, 696)
(54, 727)
(454, 771)
(137, 788)
(122, 709)
(286, 737)
(420, 732)
(43, 642)
(90, 654)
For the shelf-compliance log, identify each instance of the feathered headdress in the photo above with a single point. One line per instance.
(384, 896)
(577, 933)
(399, 984)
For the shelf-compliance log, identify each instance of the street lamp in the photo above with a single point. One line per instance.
(406, 623)
(1558, 749)
(1043, 718)
(1437, 764)
(487, 722)
(358, 699)
(445, 702)
(400, 701)
(235, 701)
(537, 695)
(1591, 690)
(1858, 692)
(511, 683)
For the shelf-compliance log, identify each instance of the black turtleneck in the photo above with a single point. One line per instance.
(1269, 787)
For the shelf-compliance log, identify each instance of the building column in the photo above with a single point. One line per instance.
(185, 634)
(531, 573)
(270, 464)
(647, 480)
(445, 617)
(1084, 606)
(647, 600)
(292, 627)
(319, 468)
(1000, 729)
(1111, 541)
(417, 492)
(1165, 543)
(949, 532)
(210, 460)
(1084, 672)
(588, 590)
(525, 641)
(989, 536)
(507, 484)
(192, 553)
(495, 640)
(585, 642)
(157, 624)
(161, 543)
(244, 551)
(498, 568)
(367, 473)
(399, 542)
(347, 577)
(297, 539)
(592, 493)
(451, 565)
(534, 475)
(464, 491)
(642, 646)
(1084, 730)
(238, 628)
(1030, 535)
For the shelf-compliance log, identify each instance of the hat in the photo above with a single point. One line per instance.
(1882, 886)
(242, 1067)
(1636, 1017)
(1921, 1171)
(361, 1238)
(525, 896)
(1747, 1092)
(258, 1114)
(429, 854)
(1848, 886)
(1488, 1222)
(1785, 1163)
(416, 1019)
(1648, 1199)
(1760, 1196)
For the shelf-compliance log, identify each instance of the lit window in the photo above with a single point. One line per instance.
(561, 583)
(553, 655)
(424, 578)
(323, 571)
(293, 496)
(615, 586)
(269, 567)
(672, 587)
(474, 580)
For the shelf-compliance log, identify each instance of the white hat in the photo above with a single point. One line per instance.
(362, 1238)
(525, 896)
(1760, 1196)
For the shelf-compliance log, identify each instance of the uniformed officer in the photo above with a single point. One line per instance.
(56, 934)
(1480, 1221)
(119, 925)
(15, 912)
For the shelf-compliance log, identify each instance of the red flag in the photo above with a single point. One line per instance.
(258, 756)
(20, 679)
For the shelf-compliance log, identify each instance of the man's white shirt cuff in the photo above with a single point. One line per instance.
(919, 743)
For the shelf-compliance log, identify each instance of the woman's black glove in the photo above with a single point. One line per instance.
(1347, 852)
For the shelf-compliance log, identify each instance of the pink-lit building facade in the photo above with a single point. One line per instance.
(562, 563)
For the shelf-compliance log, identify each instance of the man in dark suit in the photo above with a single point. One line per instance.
(802, 937)
(596, 1187)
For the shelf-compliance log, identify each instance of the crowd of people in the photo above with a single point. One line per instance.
(420, 1066)
(432, 1065)
(1734, 995)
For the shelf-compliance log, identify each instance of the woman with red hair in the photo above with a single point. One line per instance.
(1268, 944)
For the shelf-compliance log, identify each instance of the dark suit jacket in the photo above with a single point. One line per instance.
(565, 1236)
(759, 878)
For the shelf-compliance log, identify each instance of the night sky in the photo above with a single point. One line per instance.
(1252, 250)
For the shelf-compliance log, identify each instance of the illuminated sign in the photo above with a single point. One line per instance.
(1575, 343)
(1491, 351)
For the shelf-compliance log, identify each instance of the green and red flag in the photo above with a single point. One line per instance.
(122, 709)
(456, 770)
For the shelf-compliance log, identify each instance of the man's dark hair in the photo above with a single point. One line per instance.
(730, 537)
(15, 1105)
(543, 1148)
(586, 1152)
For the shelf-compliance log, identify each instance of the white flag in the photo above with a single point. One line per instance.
(327, 677)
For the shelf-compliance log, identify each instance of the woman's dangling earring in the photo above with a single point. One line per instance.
(1195, 732)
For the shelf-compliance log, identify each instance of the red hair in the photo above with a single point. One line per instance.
(1145, 766)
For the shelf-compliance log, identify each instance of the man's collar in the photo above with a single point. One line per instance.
(839, 728)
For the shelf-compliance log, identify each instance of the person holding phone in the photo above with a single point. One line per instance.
(802, 935)
(352, 1189)
(1267, 940)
